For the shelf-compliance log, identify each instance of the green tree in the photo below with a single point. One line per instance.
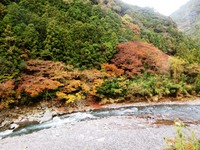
(10, 61)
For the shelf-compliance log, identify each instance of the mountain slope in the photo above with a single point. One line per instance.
(188, 19)
(81, 33)
(96, 50)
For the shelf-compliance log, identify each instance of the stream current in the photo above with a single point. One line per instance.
(186, 113)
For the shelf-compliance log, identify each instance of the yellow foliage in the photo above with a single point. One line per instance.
(70, 98)
(189, 146)
(96, 83)
(85, 87)
(126, 19)
(72, 86)
(61, 95)
(8, 102)
(109, 101)
(177, 67)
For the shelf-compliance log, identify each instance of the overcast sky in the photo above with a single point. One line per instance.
(165, 7)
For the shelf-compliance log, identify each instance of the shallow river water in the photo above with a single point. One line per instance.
(165, 112)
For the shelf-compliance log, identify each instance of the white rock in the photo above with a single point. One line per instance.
(14, 126)
(5, 133)
(46, 117)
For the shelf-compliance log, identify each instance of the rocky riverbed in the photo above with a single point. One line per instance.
(42, 112)
(45, 111)
(117, 126)
(110, 133)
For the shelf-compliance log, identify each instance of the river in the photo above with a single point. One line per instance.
(135, 126)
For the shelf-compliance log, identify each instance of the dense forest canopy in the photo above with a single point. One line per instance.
(36, 36)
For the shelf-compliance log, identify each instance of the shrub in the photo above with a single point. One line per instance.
(182, 140)
(177, 68)
(149, 86)
(94, 87)
(112, 69)
(92, 74)
(69, 98)
(72, 86)
(7, 94)
(197, 84)
(114, 88)
(139, 57)
(7, 89)
(33, 85)
(42, 78)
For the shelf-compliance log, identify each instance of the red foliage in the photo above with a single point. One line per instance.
(137, 57)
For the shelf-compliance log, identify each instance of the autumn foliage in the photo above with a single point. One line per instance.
(43, 74)
(74, 87)
(69, 84)
(6, 89)
(34, 85)
(135, 28)
(112, 69)
(47, 69)
(6, 94)
(139, 57)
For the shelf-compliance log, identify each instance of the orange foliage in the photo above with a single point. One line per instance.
(43, 77)
(1, 106)
(95, 106)
(48, 69)
(91, 75)
(34, 85)
(135, 28)
(6, 89)
(74, 86)
(138, 57)
(112, 69)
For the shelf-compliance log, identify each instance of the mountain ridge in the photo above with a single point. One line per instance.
(188, 19)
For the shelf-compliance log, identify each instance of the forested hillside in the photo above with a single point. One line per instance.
(188, 19)
(97, 49)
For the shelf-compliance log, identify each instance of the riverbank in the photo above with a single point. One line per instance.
(110, 133)
(44, 111)
(116, 126)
